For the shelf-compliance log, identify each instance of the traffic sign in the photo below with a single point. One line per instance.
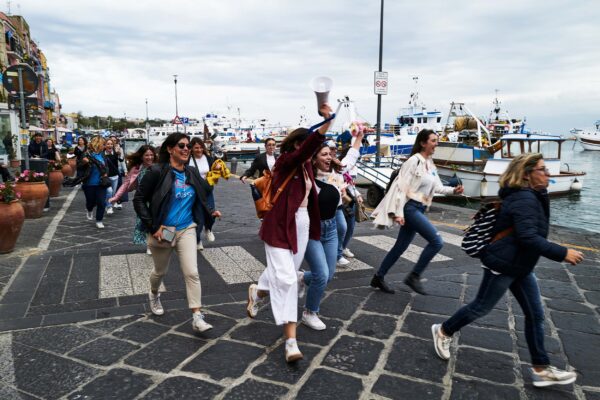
(185, 120)
(10, 79)
(177, 121)
(380, 84)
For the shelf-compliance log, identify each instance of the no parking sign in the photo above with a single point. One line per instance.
(380, 85)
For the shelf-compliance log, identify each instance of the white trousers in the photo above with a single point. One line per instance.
(280, 278)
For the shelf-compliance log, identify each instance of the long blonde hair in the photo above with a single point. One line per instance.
(514, 176)
(96, 142)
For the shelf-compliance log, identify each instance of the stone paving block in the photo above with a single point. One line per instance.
(474, 390)
(220, 326)
(52, 284)
(443, 289)
(172, 317)
(255, 390)
(588, 282)
(568, 306)
(165, 353)
(70, 307)
(589, 395)
(59, 339)
(319, 338)
(579, 348)
(554, 273)
(209, 361)
(361, 292)
(373, 326)
(257, 332)
(593, 297)
(141, 332)
(487, 338)
(324, 385)
(353, 354)
(109, 325)
(494, 319)
(400, 388)
(236, 311)
(275, 368)
(416, 358)
(117, 384)
(339, 306)
(486, 365)
(435, 305)
(384, 303)
(386, 243)
(181, 387)
(419, 325)
(103, 351)
(28, 370)
(576, 322)
(6, 392)
(558, 290)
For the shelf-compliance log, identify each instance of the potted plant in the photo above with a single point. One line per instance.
(67, 170)
(55, 177)
(12, 216)
(34, 192)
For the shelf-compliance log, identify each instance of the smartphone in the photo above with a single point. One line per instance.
(168, 235)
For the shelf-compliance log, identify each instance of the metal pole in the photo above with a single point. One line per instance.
(24, 149)
(378, 136)
(147, 125)
(176, 110)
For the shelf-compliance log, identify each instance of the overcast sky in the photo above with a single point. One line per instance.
(106, 57)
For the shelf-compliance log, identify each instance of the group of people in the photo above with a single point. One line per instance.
(310, 221)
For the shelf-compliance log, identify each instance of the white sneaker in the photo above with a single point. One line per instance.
(301, 284)
(254, 302)
(209, 235)
(552, 376)
(199, 246)
(148, 251)
(292, 352)
(313, 321)
(441, 342)
(90, 215)
(118, 206)
(109, 211)
(155, 305)
(348, 253)
(342, 262)
(199, 324)
(99, 225)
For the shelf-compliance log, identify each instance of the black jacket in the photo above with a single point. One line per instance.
(153, 197)
(37, 149)
(259, 164)
(528, 211)
(112, 162)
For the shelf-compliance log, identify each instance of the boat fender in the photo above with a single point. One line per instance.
(483, 188)
(576, 186)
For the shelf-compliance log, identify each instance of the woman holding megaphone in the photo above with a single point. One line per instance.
(287, 227)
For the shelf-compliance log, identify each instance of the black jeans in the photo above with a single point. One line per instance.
(95, 196)
(5, 174)
(491, 290)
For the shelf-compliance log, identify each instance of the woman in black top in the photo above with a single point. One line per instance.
(53, 154)
(79, 151)
(112, 158)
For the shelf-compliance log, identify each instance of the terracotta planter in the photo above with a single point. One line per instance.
(15, 163)
(55, 179)
(73, 164)
(33, 197)
(12, 216)
(67, 170)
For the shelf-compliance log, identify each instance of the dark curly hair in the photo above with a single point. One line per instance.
(137, 158)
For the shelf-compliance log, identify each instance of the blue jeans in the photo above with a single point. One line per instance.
(415, 222)
(95, 196)
(350, 222)
(340, 220)
(321, 256)
(112, 189)
(491, 290)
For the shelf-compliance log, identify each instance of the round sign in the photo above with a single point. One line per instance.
(10, 79)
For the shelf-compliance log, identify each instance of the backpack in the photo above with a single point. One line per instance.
(261, 190)
(480, 233)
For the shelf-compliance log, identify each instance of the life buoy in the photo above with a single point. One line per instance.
(416, 129)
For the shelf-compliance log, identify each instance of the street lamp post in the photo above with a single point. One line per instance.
(147, 125)
(176, 109)
(378, 136)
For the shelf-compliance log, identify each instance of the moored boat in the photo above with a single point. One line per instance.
(589, 140)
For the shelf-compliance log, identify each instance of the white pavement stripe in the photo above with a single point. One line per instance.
(7, 363)
(51, 229)
(355, 265)
(234, 264)
(125, 275)
(386, 243)
(451, 238)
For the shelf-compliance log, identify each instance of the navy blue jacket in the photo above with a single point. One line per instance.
(528, 212)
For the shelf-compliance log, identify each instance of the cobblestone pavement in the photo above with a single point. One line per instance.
(74, 321)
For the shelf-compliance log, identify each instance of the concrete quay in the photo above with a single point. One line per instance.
(74, 323)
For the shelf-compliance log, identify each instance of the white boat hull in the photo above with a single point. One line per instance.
(589, 141)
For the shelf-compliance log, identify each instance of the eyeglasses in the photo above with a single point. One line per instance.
(184, 145)
(543, 169)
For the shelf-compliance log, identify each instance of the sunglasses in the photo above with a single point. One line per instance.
(184, 145)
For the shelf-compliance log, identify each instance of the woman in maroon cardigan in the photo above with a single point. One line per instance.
(286, 230)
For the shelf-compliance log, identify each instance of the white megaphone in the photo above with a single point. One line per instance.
(321, 86)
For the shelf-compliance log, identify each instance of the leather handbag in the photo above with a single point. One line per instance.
(361, 213)
(261, 192)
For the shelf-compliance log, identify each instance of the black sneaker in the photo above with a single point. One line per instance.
(378, 282)
(413, 281)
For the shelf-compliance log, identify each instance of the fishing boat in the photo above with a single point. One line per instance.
(589, 139)
(483, 182)
(499, 123)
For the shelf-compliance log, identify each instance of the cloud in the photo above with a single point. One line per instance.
(107, 57)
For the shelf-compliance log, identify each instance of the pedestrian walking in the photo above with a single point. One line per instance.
(95, 169)
(286, 229)
(37, 148)
(139, 163)
(405, 203)
(203, 162)
(79, 151)
(263, 162)
(509, 263)
(321, 254)
(171, 202)
(113, 158)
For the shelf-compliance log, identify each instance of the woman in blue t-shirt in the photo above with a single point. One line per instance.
(171, 201)
(95, 193)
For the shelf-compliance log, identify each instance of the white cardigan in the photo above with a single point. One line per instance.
(405, 187)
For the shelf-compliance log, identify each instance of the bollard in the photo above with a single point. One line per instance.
(233, 165)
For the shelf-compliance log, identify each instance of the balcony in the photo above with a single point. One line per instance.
(48, 105)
